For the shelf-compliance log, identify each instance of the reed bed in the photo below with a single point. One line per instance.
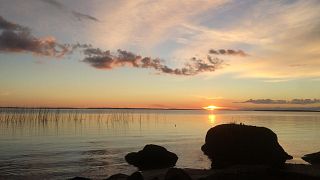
(9, 114)
(27, 119)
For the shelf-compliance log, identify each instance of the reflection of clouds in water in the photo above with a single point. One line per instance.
(212, 119)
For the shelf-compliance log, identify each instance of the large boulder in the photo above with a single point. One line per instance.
(313, 158)
(152, 157)
(238, 144)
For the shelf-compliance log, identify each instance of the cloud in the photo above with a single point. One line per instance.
(100, 59)
(293, 101)
(54, 3)
(208, 98)
(125, 20)
(63, 8)
(16, 38)
(6, 25)
(230, 52)
(83, 16)
(277, 37)
(258, 28)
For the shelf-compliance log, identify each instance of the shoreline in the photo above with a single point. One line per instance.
(295, 170)
(289, 171)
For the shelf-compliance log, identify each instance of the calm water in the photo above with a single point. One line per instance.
(58, 144)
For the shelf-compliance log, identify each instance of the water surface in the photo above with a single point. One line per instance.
(59, 144)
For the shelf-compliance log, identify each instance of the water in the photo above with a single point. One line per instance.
(59, 144)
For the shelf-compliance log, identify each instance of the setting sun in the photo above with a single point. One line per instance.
(132, 89)
(210, 107)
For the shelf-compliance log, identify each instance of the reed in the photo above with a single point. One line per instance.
(20, 117)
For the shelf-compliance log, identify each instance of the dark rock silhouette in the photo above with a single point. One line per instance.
(234, 144)
(135, 176)
(313, 158)
(79, 178)
(152, 157)
(119, 176)
(258, 176)
(177, 174)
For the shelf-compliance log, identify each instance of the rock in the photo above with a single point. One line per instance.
(259, 176)
(152, 157)
(135, 176)
(177, 174)
(119, 176)
(313, 158)
(79, 178)
(234, 144)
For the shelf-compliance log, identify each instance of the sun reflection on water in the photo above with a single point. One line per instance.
(212, 119)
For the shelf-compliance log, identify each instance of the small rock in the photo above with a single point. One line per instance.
(313, 158)
(152, 157)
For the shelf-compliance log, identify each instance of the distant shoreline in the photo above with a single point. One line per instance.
(178, 109)
(100, 108)
(286, 110)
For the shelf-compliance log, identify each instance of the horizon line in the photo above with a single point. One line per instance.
(145, 108)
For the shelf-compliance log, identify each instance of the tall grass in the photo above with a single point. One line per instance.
(22, 114)
(28, 119)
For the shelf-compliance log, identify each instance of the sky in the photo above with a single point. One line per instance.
(160, 53)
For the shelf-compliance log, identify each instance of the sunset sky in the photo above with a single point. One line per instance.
(160, 54)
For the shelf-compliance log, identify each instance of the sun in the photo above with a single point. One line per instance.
(211, 107)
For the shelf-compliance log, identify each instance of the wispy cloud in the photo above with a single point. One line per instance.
(208, 98)
(6, 25)
(293, 101)
(54, 3)
(229, 52)
(160, 21)
(80, 16)
(107, 60)
(16, 38)
(279, 36)
(277, 80)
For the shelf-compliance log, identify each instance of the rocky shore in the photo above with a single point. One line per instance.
(288, 172)
(237, 152)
